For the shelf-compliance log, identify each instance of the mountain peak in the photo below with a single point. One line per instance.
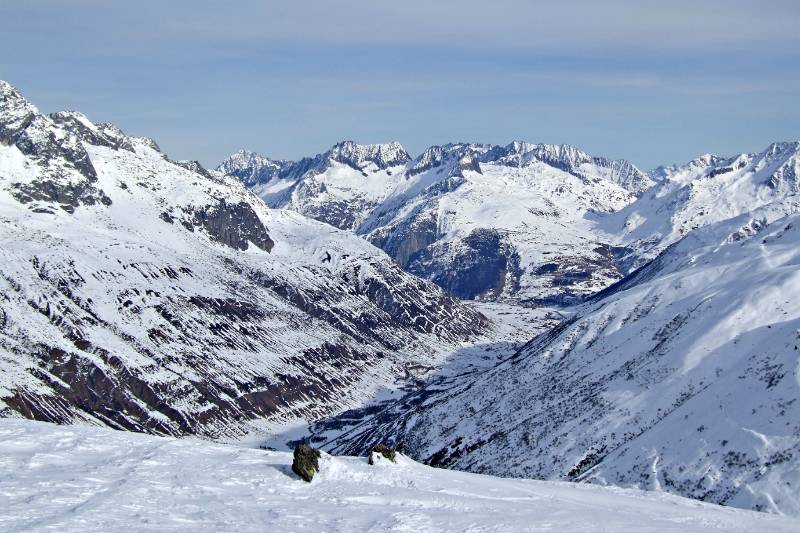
(782, 148)
(244, 157)
(15, 112)
(251, 167)
(360, 155)
(9, 92)
(561, 156)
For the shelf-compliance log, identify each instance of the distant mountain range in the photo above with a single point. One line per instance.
(530, 223)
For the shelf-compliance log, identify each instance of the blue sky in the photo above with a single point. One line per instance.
(651, 81)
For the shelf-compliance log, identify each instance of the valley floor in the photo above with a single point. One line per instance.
(78, 478)
(514, 325)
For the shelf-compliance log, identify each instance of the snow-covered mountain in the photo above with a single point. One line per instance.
(482, 221)
(534, 223)
(251, 168)
(157, 296)
(683, 377)
(706, 190)
(87, 479)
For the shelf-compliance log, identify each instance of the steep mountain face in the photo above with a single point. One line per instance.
(683, 377)
(706, 190)
(157, 296)
(483, 221)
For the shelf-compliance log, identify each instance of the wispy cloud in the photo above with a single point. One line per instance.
(289, 78)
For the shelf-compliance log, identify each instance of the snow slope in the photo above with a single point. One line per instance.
(153, 295)
(482, 221)
(684, 377)
(706, 190)
(82, 479)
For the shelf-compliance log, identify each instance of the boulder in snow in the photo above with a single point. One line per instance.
(381, 451)
(306, 462)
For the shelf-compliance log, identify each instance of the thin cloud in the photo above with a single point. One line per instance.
(521, 24)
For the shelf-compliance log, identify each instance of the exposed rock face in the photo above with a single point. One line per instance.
(79, 125)
(235, 225)
(69, 178)
(406, 243)
(481, 266)
(306, 462)
(66, 196)
(195, 167)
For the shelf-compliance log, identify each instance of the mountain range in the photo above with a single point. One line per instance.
(531, 224)
(153, 295)
(675, 366)
(526, 310)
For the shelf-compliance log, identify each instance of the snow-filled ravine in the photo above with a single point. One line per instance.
(80, 478)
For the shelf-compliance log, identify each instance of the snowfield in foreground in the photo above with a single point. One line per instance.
(78, 478)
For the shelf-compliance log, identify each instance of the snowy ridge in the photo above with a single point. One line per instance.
(577, 162)
(706, 190)
(251, 168)
(153, 295)
(82, 479)
(361, 155)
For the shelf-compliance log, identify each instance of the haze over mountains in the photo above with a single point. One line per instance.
(383, 297)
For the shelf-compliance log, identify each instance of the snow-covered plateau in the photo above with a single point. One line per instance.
(72, 478)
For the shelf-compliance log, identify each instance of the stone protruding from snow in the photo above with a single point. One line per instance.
(382, 452)
(306, 462)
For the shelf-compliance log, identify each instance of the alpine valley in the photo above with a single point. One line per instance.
(676, 365)
(526, 311)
